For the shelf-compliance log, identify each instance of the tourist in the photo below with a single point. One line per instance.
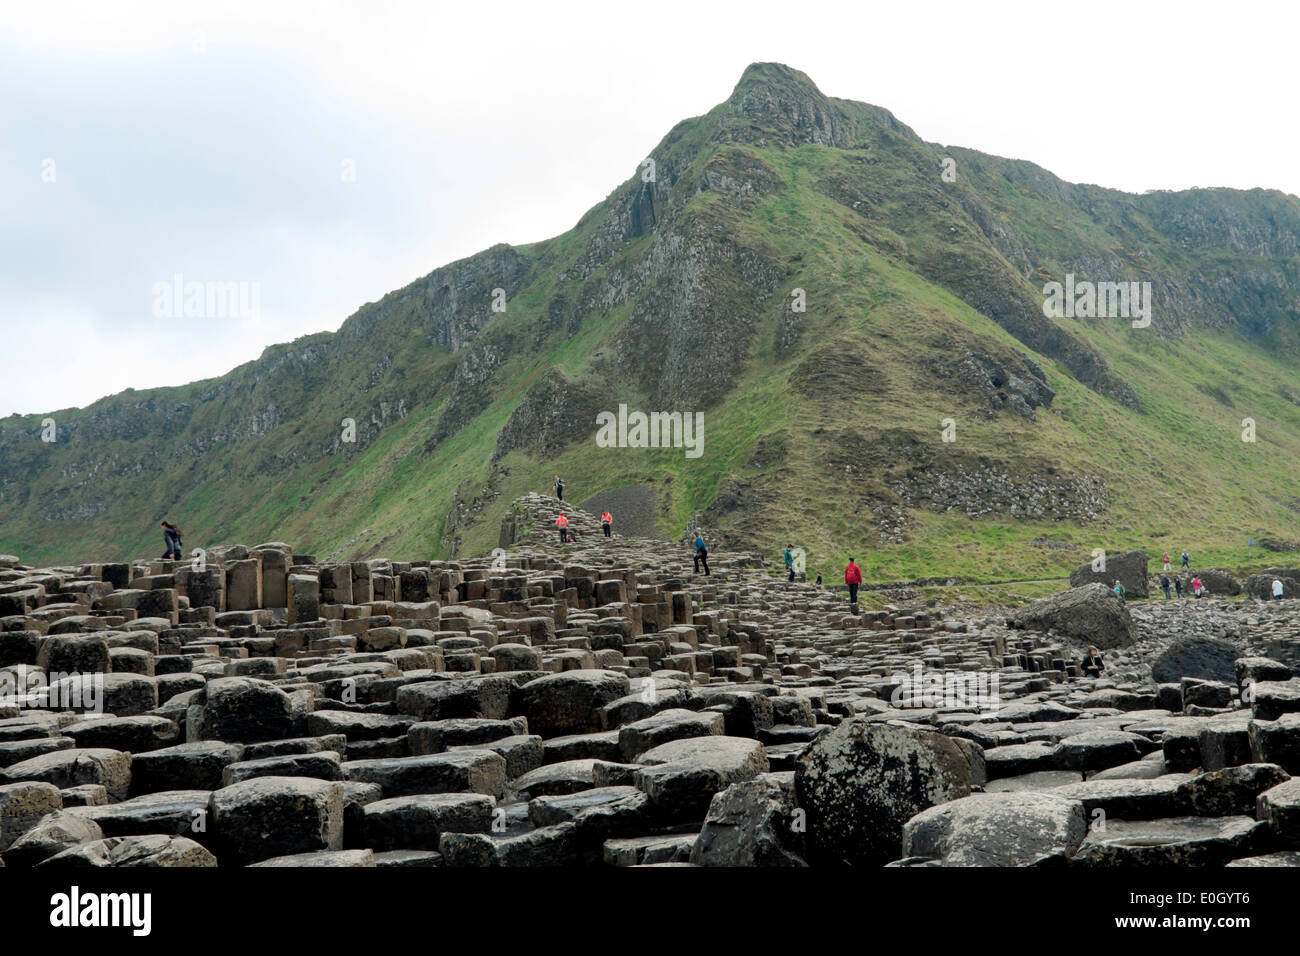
(559, 488)
(171, 541)
(1119, 589)
(606, 523)
(1164, 584)
(853, 578)
(1185, 559)
(789, 562)
(563, 524)
(1197, 587)
(1178, 586)
(1092, 665)
(701, 555)
(1277, 589)
(819, 579)
(1168, 566)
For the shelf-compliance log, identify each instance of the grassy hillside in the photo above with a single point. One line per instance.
(822, 427)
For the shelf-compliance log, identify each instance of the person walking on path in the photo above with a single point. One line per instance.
(171, 541)
(1277, 589)
(1164, 585)
(606, 523)
(853, 578)
(1092, 665)
(563, 524)
(789, 562)
(1168, 566)
(1185, 559)
(559, 487)
(701, 555)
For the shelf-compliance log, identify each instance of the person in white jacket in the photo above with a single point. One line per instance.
(1277, 589)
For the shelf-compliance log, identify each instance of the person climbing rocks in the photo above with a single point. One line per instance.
(563, 524)
(1197, 587)
(701, 555)
(559, 487)
(1092, 665)
(1178, 586)
(1277, 589)
(789, 562)
(1118, 589)
(606, 523)
(1168, 566)
(1164, 585)
(1185, 559)
(171, 541)
(853, 578)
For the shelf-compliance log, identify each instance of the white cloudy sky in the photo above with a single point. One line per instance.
(207, 139)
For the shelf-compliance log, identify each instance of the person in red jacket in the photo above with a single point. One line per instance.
(853, 577)
(606, 522)
(563, 524)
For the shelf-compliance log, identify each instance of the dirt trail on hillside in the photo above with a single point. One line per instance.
(632, 506)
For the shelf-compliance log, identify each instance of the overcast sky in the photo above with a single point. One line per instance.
(140, 141)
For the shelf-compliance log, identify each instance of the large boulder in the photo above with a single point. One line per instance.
(417, 822)
(1129, 568)
(1260, 586)
(1092, 613)
(997, 829)
(570, 702)
(152, 850)
(274, 816)
(860, 783)
(461, 771)
(1216, 581)
(1272, 699)
(195, 766)
(240, 710)
(22, 805)
(751, 823)
(681, 777)
(74, 654)
(111, 769)
(1201, 657)
(1277, 742)
(1170, 842)
(52, 834)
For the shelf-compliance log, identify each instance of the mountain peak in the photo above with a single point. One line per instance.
(774, 102)
(775, 78)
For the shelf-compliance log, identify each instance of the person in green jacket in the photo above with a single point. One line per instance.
(1119, 589)
(789, 562)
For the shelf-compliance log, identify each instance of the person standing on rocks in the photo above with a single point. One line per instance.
(1093, 665)
(1197, 587)
(789, 562)
(1178, 586)
(607, 523)
(171, 541)
(1118, 589)
(701, 555)
(563, 524)
(559, 487)
(1277, 589)
(853, 578)
(1164, 582)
